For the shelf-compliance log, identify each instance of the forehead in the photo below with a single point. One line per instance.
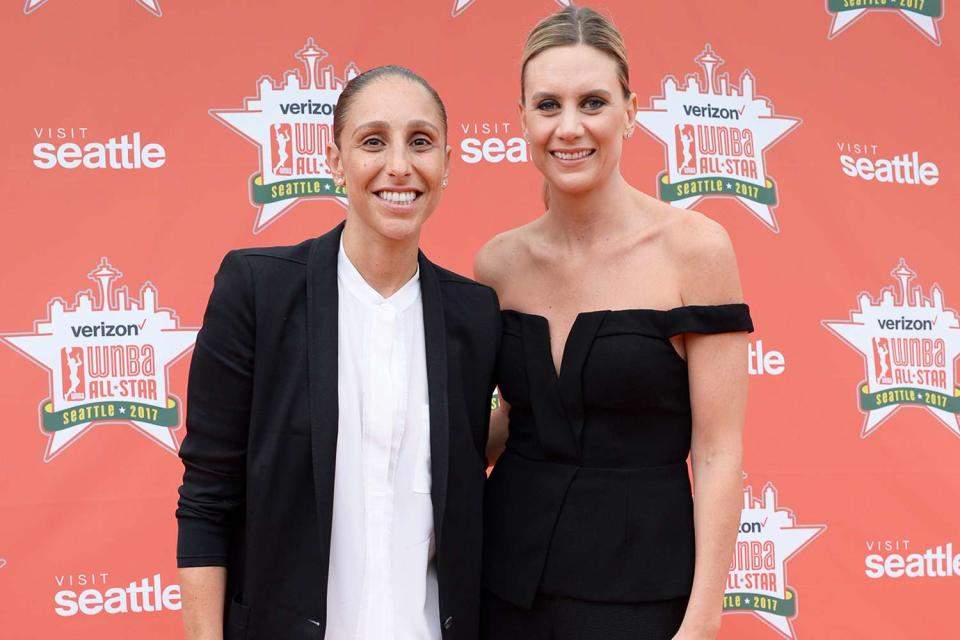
(393, 99)
(572, 68)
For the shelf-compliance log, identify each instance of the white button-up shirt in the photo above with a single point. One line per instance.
(382, 583)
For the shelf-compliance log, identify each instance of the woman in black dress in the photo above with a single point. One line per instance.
(623, 352)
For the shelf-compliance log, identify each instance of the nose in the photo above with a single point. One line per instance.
(398, 161)
(570, 127)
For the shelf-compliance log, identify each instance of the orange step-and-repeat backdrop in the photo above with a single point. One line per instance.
(145, 138)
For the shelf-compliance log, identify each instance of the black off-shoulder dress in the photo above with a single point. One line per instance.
(591, 501)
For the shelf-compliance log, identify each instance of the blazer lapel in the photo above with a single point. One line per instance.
(435, 342)
(322, 322)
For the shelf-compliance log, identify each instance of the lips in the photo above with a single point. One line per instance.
(572, 155)
(395, 197)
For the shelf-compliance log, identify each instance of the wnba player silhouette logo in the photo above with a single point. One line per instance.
(281, 143)
(881, 351)
(74, 378)
(687, 158)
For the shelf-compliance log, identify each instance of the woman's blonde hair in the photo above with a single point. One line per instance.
(577, 25)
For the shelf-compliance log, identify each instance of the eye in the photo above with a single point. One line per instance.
(421, 142)
(372, 142)
(593, 103)
(548, 105)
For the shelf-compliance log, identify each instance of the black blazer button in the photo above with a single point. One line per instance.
(448, 622)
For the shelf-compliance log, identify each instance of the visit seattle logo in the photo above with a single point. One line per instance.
(291, 123)
(768, 538)
(715, 135)
(107, 360)
(910, 343)
(923, 15)
(153, 6)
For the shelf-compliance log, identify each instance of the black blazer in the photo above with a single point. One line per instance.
(257, 493)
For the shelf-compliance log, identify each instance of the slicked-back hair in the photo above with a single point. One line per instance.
(360, 82)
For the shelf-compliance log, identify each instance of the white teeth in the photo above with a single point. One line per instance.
(398, 197)
(563, 155)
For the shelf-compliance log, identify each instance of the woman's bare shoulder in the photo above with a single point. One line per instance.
(502, 255)
(703, 257)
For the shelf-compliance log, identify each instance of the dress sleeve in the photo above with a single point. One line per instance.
(719, 318)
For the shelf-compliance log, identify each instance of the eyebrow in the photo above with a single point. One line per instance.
(413, 124)
(539, 95)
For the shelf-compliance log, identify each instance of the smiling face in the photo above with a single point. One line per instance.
(392, 157)
(575, 115)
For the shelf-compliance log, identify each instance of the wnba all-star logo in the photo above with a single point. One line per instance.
(910, 343)
(923, 15)
(153, 6)
(292, 123)
(769, 536)
(715, 135)
(107, 362)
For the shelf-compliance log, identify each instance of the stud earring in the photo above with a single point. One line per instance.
(444, 183)
(339, 181)
(628, 133)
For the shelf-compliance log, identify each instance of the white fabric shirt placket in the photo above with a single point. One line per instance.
(384, 418)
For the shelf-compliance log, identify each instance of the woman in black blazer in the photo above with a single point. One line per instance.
(623, 351)
(257, 501)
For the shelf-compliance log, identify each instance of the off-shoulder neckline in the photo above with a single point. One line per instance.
(634, 310)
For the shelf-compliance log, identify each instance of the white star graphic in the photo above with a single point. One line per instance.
(754, 113)
(153, 6)
(459, 6)
(861, 330)
(927, 25)
(788, 538)
(260, 113)
(43, 347)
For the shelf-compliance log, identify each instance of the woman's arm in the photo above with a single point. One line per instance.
(489, 268)
(203, 590)
(718, 395)
(215, 448)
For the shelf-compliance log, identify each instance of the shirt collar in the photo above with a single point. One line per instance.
(355, 284)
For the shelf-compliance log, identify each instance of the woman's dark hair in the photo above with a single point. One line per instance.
(357, 84)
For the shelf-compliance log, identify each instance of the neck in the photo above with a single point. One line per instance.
(592, 216)
(384, 263)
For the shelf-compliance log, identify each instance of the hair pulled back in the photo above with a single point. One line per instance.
(577, 25)
(360, 82)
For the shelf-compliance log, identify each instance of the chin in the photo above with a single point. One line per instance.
(399, 228)
(574, 185)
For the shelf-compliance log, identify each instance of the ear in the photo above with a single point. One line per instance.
(632, 106)
(446, 161)
(334, 160)
(521, 114)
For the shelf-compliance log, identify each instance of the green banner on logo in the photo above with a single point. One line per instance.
(931, 8)
(717, 186)
(786, 606)
(109, 410)
(909, 395)
(297, 188)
